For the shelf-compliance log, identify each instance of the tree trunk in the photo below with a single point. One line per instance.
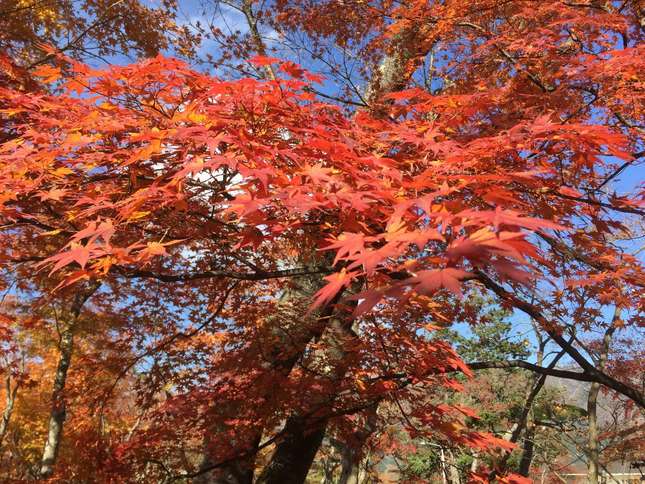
(303, 435)
(329, 467)
(289, 331)
(453, 471)
(592, 434)
(8, 409)
(286, 336)
(350, 466)
(351, 455)
(527, 451)
(294, 455)
(58, 402)
(475, 463)
(394, 71)
(525, 419)
(238, 471)
(593, 445)
(58, 410)
(290, 337)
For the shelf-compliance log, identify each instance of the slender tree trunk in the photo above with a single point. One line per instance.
(592, 434)
(526, 417)
(352, 455)
(58, 408)
(593, 444)
(444, 470)
(527, 451)
(258, 43)
(525, 420)
(58, 402)
(455, 478)
(350, 466)
(364, 469)
(328, 470)
(475, 463)
(8, 409)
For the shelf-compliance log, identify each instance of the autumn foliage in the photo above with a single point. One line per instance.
(240, 266)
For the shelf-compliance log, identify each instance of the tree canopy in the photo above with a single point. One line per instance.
(212, 270)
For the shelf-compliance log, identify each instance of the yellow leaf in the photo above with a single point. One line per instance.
(137, 215)
(196, 118)
(62, 171)
(360, 384)
(51, 232)
(74, 137)
(155, 248)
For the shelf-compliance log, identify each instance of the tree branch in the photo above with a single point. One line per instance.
(243, 276)
(554, 333)
(548, 371)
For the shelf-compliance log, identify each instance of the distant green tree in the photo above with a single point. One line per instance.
(492, 339)
(497, 395)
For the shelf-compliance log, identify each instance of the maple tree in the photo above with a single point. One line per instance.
(264, 263)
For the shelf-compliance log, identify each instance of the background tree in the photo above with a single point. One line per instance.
(90, 29)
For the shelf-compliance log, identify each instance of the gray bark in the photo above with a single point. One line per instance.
(593, 445)
(58, 401)
(12, 392)
(527, 450)
(350, 466)
(58, 408)
(475, 463)
(454, 478)
(592, 435)
(258, 43)
(393, 73)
